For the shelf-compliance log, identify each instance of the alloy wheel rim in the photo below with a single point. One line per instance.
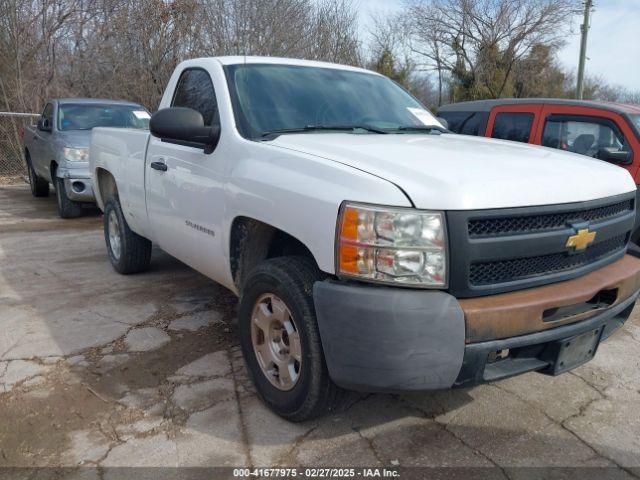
(276, 341)
(115, 243)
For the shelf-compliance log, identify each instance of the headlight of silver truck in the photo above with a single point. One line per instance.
(400, 246)
(76, 154)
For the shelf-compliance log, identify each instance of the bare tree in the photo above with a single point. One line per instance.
(30, 36)
(127, 49)
(479, 42)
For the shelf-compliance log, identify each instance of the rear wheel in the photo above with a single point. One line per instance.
(39, 186)
(66, 208)
(281, 342)
(128, 251)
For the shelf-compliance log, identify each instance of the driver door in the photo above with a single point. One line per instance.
(185, 187)
(40, 143)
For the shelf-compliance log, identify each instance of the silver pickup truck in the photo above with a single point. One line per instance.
(57, 148)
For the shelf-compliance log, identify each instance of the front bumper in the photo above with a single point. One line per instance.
(392, 339)
(77, 183)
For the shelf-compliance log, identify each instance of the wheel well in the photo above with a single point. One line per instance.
(252, 242)
(52, 172)
(107, 187)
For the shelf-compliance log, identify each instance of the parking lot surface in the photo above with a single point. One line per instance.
(103, 370)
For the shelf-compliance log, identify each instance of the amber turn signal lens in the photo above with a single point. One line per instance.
(349, 227)
(348, 258)
(349, 232)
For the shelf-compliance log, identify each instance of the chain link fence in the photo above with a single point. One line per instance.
(12, 125)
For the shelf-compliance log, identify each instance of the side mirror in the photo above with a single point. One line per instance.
(184, 126)
(43, 125)
(613, 155)
(444, 122)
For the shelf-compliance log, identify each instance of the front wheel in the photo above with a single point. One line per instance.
(66, 208)
(280, 339)
(128, 251)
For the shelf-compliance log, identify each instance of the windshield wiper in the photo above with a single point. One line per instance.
(271, 134)
(416, 128)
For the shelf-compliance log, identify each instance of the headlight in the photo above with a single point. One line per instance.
(76, 154)
(392, 245)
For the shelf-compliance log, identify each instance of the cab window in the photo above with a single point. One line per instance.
(589, 136)
(48, 113)
(515, 126)
(466, 123)
(195, 90)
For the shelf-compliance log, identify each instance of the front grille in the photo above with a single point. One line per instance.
(506, 249)
(487, 273)
(511, 225)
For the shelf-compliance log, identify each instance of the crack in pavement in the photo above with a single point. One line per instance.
(581, 412)
(371, 445)
(600, 392)
(244, 431)
(445, 427)
(288, 456)
(15, 344)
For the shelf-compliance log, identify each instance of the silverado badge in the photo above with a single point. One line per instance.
(581, 240)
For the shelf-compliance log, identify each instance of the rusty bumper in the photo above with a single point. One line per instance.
(377, 338)
(543, 308)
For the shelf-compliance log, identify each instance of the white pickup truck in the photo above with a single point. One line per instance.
(371, 249)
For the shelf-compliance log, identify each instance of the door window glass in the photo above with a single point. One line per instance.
(48, 114)
(586, 137)
(466, 123)
(514, 126)
(195, 90)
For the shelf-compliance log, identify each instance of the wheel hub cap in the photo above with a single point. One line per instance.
(276, 341)
(114, 235)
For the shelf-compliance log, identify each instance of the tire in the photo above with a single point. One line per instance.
(66, 208)
(289, 279)
(39, 186)
(128, 252)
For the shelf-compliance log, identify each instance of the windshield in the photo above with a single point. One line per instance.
(270, 98)
(86, 116)
(636, 120)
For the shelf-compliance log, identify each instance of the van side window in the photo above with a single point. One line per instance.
(466, 123)
(583, 134)
(514, 126)
(195, 90)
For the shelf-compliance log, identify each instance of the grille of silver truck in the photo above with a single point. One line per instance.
(496, 251)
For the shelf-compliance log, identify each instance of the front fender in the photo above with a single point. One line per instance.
(301, 195)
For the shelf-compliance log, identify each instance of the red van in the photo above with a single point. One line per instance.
(608, 131)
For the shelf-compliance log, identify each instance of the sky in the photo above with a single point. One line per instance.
(613, 48)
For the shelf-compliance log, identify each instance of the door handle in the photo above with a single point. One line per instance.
(160, 166)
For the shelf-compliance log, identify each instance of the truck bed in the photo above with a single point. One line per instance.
(122, 151)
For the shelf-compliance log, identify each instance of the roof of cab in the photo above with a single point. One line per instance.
(487, 105)
(89, 101)
(240, 59)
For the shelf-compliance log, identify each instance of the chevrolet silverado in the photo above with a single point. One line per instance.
(371, 249)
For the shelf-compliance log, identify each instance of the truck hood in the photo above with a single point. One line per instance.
(74, 138)
(459, 172)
